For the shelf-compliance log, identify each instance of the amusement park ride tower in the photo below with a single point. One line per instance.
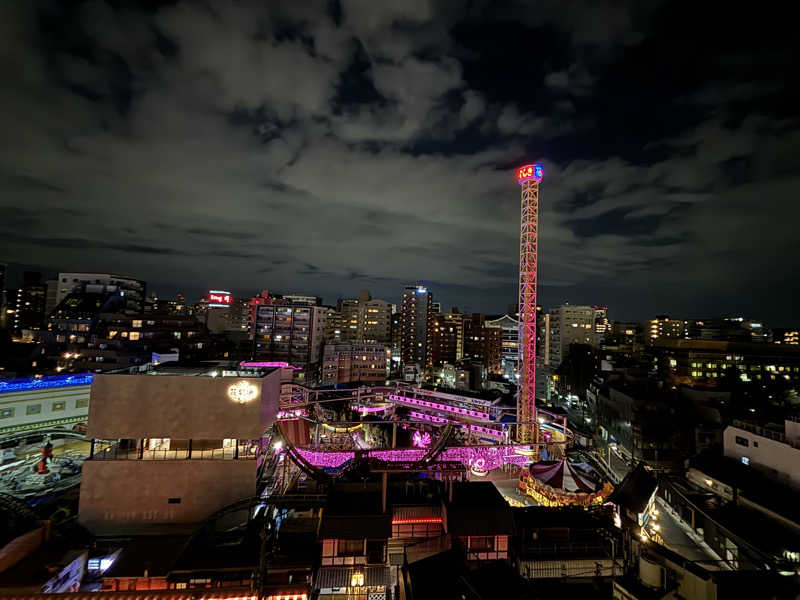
(528, 177)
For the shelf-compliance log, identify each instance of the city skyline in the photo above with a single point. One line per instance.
(352, 148)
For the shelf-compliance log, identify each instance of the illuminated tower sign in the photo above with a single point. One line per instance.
(528, 177)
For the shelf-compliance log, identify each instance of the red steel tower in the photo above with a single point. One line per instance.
(528, 177)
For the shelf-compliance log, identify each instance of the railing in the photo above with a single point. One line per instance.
(135, 450)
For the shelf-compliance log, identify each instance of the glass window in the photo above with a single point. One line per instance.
(81, 403)
(134, 335)
(481, 544)
(6, 413)
(351, 547)
(742, 441)
(59, 406)
(33, 409)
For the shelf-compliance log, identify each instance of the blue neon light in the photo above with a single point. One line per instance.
(41, 383)
(538, 171)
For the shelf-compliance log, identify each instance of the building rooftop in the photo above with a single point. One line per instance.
(213, 368)
(478, 509)
(635, 490)
(720, 346)
(753, 484)
(155, 554)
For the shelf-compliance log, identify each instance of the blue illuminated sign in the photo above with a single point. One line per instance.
(41, 383)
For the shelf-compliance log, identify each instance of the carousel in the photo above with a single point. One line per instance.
(558, 483)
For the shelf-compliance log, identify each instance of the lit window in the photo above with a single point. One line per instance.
(136, 323)
(134, 335)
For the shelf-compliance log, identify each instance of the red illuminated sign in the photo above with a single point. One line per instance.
(220, 298)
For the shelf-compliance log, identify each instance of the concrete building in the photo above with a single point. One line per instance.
(447, 344)
(661, 327)
(173, 445)
(790, 337)
(602, 326)
(483, 344)
(416, 325)
(46, 402)
(302, 299)
(567, 325)
(3, 300)
(354, 363)
(132, 289)
(365, 319)
(30, 302)
(509, 344)
(333, 325)
(289, 332)
(710, 363)
(772, 449)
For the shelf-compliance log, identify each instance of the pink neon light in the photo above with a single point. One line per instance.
(421, 440)
(434, 419)
(438, 406)
(270, 363)
(291, 414)
(486, 459)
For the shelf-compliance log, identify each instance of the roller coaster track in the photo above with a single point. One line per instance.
(436, 449)
(322, 477)
(297, 458)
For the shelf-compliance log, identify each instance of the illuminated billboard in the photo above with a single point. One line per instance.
(530, 172)
(219, 298)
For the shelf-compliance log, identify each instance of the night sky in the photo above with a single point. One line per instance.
(327, 147)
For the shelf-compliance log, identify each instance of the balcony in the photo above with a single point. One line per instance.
(170, 449)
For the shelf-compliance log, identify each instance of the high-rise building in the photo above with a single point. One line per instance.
(30, 303)
(568, 325)
(509, 343)
(366, 319)
(333, 326)
(289, 332)
(303, 299)
(447, 343)
(354, 363)
(602, 326)
(483, 344)
(132, 289)
(662, 326)
(51, 301)
(436, 307)
(416, 324)
(3, 301)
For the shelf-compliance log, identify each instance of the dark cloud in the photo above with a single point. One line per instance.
(327, 147)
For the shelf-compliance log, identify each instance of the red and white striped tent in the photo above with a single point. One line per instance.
(561, 476)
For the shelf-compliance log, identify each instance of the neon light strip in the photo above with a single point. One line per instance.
(40, 383)
(483, 458)
(270, 363)
(438, 406)
(414, 521)
(434, 419)
(291, 414)
(371, 409)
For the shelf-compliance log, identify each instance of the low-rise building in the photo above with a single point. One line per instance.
(354, 363)
(174, 444)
